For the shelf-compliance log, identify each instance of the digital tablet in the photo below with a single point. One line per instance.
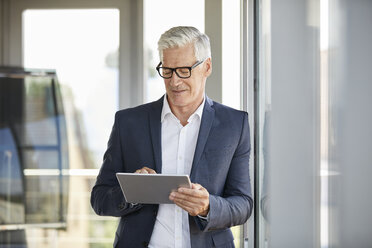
(150, 188)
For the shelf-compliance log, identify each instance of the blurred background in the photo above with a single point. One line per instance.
(301, 68)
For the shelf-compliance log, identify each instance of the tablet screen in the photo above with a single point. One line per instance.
(150, 188)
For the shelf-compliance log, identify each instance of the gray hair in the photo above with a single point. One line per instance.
(182, 36)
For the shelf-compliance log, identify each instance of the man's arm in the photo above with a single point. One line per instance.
(106, 197)
(235, 205)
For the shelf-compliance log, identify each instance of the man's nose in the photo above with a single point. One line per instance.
(175, 80)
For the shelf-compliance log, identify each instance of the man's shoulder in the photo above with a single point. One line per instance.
(139, 112)
(222, 109)
(141, 109)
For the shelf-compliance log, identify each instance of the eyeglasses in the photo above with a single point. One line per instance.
(182, 72)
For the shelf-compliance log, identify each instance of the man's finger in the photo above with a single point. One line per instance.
(186, 204)
(175, 196)
(194, 192)
(145, 170)
(149, 170)
(192, 208)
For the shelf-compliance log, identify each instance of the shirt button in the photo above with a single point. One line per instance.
(180, 157)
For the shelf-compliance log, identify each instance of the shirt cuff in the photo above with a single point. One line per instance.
(206, 218)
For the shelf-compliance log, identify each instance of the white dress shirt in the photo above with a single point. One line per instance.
(178, 147)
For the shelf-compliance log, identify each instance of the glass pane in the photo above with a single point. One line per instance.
(231, 53)
(39, 112)
(288, 118)
(156, 21)
(11, 179)
(82, 45)
(43, 199)
(350, 121)
(41, 159)
(263, 115)
(32, 139)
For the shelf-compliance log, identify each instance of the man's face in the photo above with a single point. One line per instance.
(185, 92)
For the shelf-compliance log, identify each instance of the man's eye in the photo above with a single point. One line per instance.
(183, 71)
(167, 72)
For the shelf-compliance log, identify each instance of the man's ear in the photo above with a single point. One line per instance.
(208, 66)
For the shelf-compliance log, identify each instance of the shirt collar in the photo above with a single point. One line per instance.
(167, 110)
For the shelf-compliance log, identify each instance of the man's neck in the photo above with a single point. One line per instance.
(184, 113)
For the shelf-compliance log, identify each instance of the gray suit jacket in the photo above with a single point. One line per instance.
(221, 165)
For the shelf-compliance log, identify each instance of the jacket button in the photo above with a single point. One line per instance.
(145, 243)
(132, 205)
(155, 212)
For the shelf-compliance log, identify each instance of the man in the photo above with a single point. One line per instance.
(184, 132)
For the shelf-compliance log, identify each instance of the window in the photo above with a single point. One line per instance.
(82, 45)
(33, 149)
(157, 16)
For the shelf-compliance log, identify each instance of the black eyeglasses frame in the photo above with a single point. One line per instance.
(158, 67)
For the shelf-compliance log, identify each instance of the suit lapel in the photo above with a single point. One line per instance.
(205, 127)
(155, 130)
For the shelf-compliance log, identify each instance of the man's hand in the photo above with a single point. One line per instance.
(145, 170)
(195, 200)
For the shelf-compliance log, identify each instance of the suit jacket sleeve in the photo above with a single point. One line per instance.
(235, 205)
(106, 197)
